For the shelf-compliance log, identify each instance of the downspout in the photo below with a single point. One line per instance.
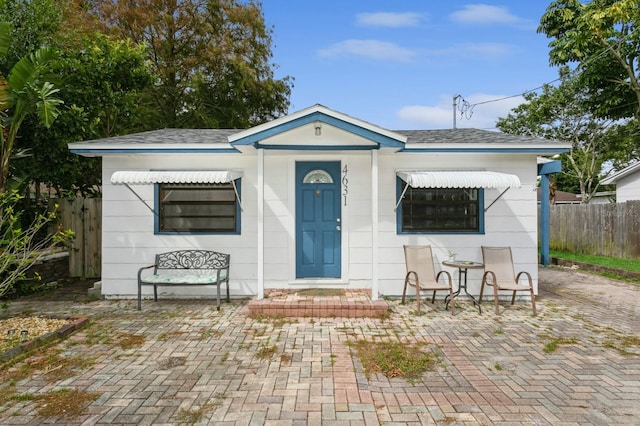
(544, 170)
(544, 220)
(374, 224)
(260, 224)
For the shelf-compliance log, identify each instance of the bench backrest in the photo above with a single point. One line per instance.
(192, 259)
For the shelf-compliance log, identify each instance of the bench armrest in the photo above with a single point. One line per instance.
(142, 269)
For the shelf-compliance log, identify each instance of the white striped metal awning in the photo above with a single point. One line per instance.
(459, 179)
(175, 176)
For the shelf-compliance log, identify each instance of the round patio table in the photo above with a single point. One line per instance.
(463, 266)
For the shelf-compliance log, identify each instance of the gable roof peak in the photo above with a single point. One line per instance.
(322, 114)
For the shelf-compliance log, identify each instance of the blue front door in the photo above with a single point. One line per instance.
(318, 226)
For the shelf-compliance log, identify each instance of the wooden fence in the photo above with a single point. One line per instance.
(601, 229)
(84, 217)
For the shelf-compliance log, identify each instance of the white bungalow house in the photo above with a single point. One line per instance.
(627, 182)
(316, 198)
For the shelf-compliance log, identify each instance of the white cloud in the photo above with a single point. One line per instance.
(440, 115)
(485, 14)
(485, 49)
(389, 19)
(475, 50)
(372, 49)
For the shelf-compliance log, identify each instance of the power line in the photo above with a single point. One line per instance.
(466, 109)
(519, 94)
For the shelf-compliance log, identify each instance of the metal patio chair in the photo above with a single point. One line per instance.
(422, 274)
(500, 274)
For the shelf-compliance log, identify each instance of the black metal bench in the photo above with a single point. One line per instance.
(186, 268)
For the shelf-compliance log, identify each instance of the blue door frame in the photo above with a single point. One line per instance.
(318, 221)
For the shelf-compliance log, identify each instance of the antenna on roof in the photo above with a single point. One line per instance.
(465, 108)
(455, 106)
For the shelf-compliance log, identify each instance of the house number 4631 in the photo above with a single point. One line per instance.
(345, 184)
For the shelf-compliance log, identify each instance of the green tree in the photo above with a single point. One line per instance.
(601, 38)
(22, 93)
(33, 25)
(211, 59)
(559, 113)
(100, 81)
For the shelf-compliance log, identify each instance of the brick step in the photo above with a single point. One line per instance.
(349, 304)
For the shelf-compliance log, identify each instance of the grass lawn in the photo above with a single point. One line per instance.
(632, 265)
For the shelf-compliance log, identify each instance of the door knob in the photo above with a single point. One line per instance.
(338, 228)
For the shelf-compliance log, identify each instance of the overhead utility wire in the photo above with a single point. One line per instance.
(622, 40)
(515, 96)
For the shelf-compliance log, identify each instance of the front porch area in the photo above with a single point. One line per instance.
(320, 303)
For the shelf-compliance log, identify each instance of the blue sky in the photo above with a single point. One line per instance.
(398, 64)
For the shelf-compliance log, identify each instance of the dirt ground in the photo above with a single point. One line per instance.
(72, 289)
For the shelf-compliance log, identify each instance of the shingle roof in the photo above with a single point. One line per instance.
(467, 136)
(219, 136)
(170, 136)
(633, 168)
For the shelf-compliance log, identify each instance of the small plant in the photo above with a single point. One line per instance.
(394, 359)
(7, 393)
(99, 333)
(623, 344)
(169, 335)
(498, 366)
(266, 351)
(498, 331)
(64, 403)
(128, 341)
(196, 414)
(21, 247)
(552, 345)
(49, 363)
(207, 334)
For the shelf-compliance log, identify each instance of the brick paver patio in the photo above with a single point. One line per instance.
(196, 365)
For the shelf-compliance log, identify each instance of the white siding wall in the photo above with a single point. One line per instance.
(128, 226)
(511, 221)
(628, 188)
(279, 225)
(128, 240)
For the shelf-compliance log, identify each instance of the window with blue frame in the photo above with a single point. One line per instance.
(198, 208)
(441, 210)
